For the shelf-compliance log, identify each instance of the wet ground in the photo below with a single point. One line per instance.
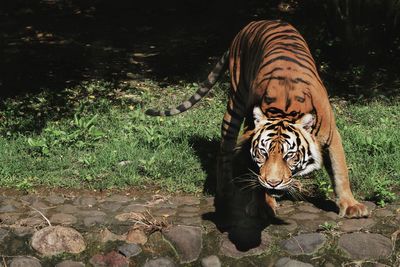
(149, 228)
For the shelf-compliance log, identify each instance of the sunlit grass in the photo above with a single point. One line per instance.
(104, 140)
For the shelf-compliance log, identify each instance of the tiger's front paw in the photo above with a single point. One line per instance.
(352, 209)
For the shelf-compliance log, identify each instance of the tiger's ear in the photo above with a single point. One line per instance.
(258, 116)
(307, 122)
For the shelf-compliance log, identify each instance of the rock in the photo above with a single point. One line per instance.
(94, 220)
(188, 214)
(353, 225)
(53, 240)
(63, 219)
(309, 209)
(31, 222)
(23, 230)
(7, 208)
(129, 216)
(29, 199)
(68, 208)
(160, 262)
(70, 263)
(189, 209)
(91, 213)
(111, 206)
(25, 262)
(113, 259)
(370, 205)
(193, 221)
(332, 215)
(290, 225)
(106, 235)
(9, 218)
(3, 234)
(136, 236)
(85, 201)
(135, 208)
(383, 213)
(117, 198)
(186, 200)
(362, 246)
(303, 243)
(163, 212)
(288, 262)
(284, 210)
(55, 199)
(229, 249)
(129, 250)
(304, 216)
(187, 240)
(211, 261)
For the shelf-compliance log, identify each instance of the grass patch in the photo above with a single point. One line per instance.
(96, 136)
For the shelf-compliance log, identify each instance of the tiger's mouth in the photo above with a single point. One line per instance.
(275, 192)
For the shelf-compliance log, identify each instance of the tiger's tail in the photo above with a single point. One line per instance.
(205, 87)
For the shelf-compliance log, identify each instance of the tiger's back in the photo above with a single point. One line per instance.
(271, 66)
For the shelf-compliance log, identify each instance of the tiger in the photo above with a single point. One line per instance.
(278, 97)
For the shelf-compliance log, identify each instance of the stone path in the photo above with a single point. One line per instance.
(151, 229)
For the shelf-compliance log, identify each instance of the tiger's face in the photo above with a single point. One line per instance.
(283, 149)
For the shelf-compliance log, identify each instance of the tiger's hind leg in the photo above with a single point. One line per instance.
(335, 163)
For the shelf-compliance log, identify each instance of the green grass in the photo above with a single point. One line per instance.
(96, 136)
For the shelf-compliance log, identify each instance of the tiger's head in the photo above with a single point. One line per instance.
(282, 149)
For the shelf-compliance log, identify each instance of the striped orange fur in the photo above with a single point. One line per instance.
(273, 73)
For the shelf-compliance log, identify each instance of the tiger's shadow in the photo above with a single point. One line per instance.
(230, 215)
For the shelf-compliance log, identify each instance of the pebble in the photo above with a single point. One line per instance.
(285, 210)
(309, 209)
(111, 206)
(69, 263)
(3, 234)
(118, 198)
(383, 213)
(23, 261)
(63, 219)
(303, 243)
(160, 262)
(229, 249)
(164, 212)
(362, 246)
(129, 250)
(353, 225)
(135, 208)
(186, 200)
(85, 201)
(211, 261)
(136, 236)
(112, 258)
(370, 205)
(187, 240)
(94, 220)
(54, 240)
(304, 216)
(288, 262)
(7, 208)
(55, 199)
(189, 209)
(67, 208)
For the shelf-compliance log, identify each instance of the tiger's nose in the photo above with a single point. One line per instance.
(274, 183)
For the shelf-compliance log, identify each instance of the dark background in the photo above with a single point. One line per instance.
(51, 45)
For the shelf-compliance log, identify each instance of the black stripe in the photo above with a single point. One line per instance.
(285, 58)
(231, 125)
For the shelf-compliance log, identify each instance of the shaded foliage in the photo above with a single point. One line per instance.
(55, 44)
